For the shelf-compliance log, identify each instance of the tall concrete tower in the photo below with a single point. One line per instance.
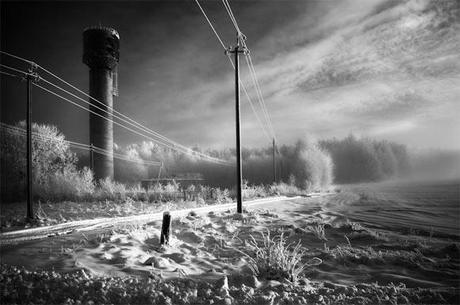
(101, 53)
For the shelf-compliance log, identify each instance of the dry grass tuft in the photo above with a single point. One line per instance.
(275, 259)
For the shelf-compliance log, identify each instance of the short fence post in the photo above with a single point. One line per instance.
(165, 229)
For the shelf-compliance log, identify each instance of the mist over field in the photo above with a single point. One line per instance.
(348, 160)
(435, 164)
(307, 164)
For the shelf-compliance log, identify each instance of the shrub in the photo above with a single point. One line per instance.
(171, 191)
(203, 192)
(284, 189)
(51, 157)
(136, 193)
(275, 259)
(111, 190)
(222, 196)
(311, 166)
(68, 184)
(154, 192)
(168, 192)
(253, 191)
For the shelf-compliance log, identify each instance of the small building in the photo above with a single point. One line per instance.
(184, 179)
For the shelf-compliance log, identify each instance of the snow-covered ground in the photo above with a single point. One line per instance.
(208, 244)
(67, 227)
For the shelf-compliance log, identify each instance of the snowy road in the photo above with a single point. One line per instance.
(15, 237)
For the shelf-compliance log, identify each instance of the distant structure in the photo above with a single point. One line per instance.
(185, 179)
(101, 54)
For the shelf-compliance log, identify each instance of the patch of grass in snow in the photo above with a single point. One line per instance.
(275, 259)
(318, 230)
(349, 256)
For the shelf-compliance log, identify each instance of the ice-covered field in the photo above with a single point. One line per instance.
(389, 244)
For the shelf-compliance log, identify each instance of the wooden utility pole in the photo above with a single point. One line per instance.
(274, 161)
(30, 77)
(91, 157)
(237, 51)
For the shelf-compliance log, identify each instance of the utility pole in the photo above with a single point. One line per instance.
(274, 161)
(239, 177)
(31, 76)
(91, 157)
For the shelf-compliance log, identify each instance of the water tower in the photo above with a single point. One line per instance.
(101, 54)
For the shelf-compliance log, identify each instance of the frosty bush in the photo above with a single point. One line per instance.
(310, 166)
(137, 193)
(284, 189)
(252, 191)
(110, 190)
(222, 196)
(68, 184)
(54, 172)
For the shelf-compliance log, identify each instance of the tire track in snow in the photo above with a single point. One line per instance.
(18, 236)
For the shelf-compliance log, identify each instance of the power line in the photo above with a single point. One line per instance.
(140, 126)
(95, 106)
(231, 62)
(251, 67)
(191, 152)
(9, 74)
(210, 24)
(135, 124)
(250, 102)
(232, 17)
(81, 146)
(259, 93)
(266, 118)
(17, 57)
(179, 148)
(14, 69)
(173, 145)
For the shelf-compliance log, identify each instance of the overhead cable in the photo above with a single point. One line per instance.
(173, 145)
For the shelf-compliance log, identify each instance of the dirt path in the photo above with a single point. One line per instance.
(15, 237)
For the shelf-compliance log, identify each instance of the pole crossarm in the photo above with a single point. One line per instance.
(237, 49)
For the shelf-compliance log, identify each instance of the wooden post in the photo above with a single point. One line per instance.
(165, 229)
(274, 161)
(91, 157)
(30, 214)
(239, 48)
(239, 201)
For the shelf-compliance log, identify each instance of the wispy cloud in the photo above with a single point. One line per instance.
(378, 68)
(381, 70)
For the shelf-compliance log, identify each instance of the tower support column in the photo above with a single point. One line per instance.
(101, 55)
(101, 130)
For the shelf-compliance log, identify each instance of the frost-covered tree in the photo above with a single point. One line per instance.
(53, 163)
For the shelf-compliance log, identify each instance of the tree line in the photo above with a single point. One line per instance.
(307, 164)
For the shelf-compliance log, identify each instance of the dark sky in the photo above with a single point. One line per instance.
(385, 69)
